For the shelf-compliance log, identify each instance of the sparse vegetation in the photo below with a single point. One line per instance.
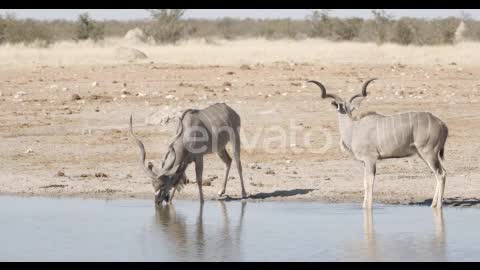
(27, 31)
(167, 26)
(88, 28)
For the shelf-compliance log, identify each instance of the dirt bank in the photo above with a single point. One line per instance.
(56, 144)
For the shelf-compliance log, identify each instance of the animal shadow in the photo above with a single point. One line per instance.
(277, 193)
(456, 201)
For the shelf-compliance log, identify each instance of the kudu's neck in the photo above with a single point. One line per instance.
(345, 126)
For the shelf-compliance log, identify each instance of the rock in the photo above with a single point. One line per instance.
(300, 36)
(19, 94)
(256, 184)
(245, 67)
(254, 166)
(94, 84)
(212, 177)
(60, 174)
(230, 73)
(206, 182)
(141, 94)
(137, 36)
(100, 175)
(28, 151)
(65, 89)
(270, 171)
(126, 53)
(169, 96)
(75, 97)
(227, 84)
(83, 175)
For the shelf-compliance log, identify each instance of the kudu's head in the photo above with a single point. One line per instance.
(341, 106)
(164, 178)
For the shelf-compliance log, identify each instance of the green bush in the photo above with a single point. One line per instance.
(167, 26)
(88, 28)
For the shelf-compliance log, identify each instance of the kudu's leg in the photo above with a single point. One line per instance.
(433, 163)
(171, 196)
(175, 189)
(443, 179)
(228, 162)
(369, 231)
(199, 174)
(236, 156)
(368, 181)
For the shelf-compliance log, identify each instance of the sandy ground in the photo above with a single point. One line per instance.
(44, 131)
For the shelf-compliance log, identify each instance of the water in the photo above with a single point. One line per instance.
(46, 229)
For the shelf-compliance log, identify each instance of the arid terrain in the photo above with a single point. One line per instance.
(65, 110)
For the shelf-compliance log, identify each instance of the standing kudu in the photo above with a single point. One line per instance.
(372, 137)
(199, 132)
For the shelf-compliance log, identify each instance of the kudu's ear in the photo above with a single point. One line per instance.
(355, 104)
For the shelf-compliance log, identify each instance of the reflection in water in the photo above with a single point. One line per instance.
(369, 231)
(439, 240)
(231, 245)
(207, 243)
(436, 248)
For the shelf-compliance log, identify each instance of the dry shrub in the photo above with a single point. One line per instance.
(88, 28)
(27, 31)
(167, 26)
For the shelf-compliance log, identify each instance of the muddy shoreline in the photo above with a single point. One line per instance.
(261, 197)
(64, 128)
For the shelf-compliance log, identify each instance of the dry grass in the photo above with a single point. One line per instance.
(248, 51)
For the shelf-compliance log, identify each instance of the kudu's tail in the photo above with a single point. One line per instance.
(441, 153)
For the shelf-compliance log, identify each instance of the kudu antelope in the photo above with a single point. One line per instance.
(371, 137)
(199, 132)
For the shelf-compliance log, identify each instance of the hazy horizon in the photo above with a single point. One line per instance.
(135, 14)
